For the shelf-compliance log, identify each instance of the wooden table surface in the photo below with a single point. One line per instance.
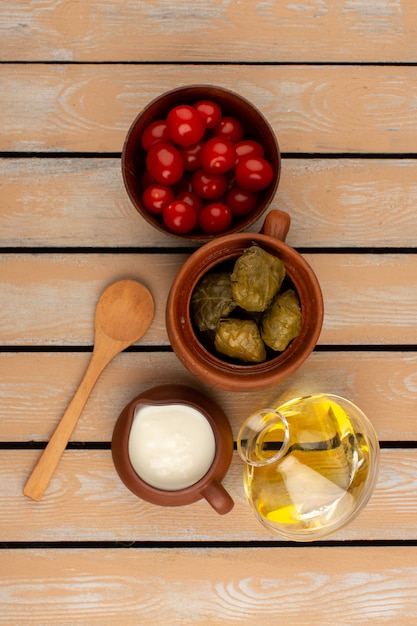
(337, 80)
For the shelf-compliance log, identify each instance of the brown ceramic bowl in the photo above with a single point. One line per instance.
(206, 365)
(209, 486)
(255, 126)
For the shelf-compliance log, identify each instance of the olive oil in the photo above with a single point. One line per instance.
(317, 477)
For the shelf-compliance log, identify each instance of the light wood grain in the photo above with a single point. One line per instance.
(87, 501)
(50, 291)
(332, 202)
(337, 80)
(210, 586)
(35, 389)
(49, 299)
(210, 31)
(311, 108)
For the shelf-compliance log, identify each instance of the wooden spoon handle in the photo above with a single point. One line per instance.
(47, 463)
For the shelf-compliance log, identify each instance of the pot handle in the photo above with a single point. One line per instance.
(217, 496)
(276, 224)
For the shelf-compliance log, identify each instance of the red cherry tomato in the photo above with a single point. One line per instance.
(254, 173)
(208, 186)
(179, 217)
(215, 218)
(192, 199)
(210, 112)
(164, 163)
(155, 132)
(218, 155)
(156, 197)
(248, 147)
(230, 128)
(191, 155)
(241, 201)
(185, 125)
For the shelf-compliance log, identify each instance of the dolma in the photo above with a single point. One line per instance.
(240, 339)
(211, 300)
(281, 323)
(256, 278)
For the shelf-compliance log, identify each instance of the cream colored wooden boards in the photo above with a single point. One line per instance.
(236, 30)
(318, 109)
(229, 587)
(86, 501)
(83, 202)
(36, 387)
(337, 81)
(49, 298)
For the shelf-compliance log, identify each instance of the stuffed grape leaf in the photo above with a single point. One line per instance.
(281, 323)
(240, 339)
(256, 278)
(211, 300)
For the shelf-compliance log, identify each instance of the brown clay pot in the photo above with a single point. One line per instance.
(207, 366)
(209, 486)
(255, 125)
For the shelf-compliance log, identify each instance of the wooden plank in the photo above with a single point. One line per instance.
(86, 501)
(35, 389)
(200, 31)
(43, 294)
(318, 109)
(378, 309)
(368, 298)
(82, 202)
(209, 586)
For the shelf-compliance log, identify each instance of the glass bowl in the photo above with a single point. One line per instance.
(311, 465)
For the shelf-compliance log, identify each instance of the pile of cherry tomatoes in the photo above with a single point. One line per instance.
(201, 171)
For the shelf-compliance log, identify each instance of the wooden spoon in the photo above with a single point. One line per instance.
(124, 313)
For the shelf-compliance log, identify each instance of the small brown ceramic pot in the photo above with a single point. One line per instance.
(208, 366)
(209, 486)
(254, 123)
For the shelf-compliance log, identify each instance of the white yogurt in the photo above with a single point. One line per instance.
(171, 447)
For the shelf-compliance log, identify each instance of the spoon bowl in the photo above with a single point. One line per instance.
(124, 313)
